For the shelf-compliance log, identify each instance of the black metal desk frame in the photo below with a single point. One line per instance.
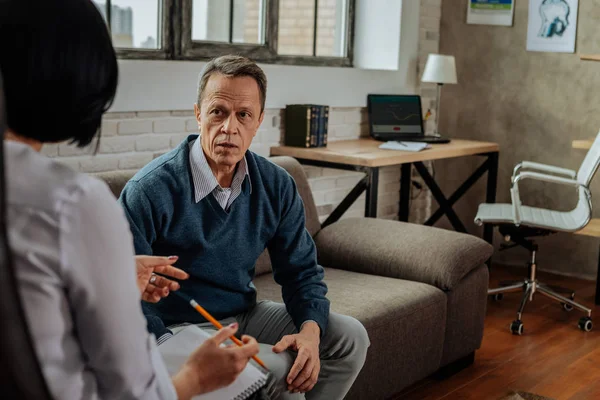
(370, 184)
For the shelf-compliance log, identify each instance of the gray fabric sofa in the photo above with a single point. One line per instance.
(419, 291)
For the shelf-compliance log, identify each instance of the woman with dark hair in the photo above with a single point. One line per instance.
(72, 248)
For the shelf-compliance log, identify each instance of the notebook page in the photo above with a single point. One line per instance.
(176, 350)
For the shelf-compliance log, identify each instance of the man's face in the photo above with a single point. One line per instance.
(229, 116)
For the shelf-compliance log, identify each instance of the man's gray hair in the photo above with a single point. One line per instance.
(234, 66)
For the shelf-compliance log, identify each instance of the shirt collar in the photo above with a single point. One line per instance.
(204, 180)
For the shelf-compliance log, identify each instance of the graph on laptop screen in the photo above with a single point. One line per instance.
(396, 115)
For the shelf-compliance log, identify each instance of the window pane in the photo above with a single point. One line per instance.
(211, 20)
(134, 23)
(296, 27)
(248, 21)
(332, 17)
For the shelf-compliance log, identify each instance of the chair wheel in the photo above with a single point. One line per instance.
(567, 307)
(498, 296)
(516, 327)
(585, 324)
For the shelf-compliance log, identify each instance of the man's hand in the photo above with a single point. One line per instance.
(212, 366)
(153, 287)
(305, 371)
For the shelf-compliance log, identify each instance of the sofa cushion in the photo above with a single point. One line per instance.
(401, 250)
(466, 314)
(405, 321)
(263, 264)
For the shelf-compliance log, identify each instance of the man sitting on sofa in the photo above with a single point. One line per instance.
(217, 206)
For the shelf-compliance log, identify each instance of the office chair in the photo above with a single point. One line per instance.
(518, 223)
(20, 373)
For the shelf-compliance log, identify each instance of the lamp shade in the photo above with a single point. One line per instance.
(439, 69)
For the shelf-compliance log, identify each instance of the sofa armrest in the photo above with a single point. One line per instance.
(401, 250)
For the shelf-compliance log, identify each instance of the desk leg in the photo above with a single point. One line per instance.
(336, 214)
(490, 196)
(405, 181)
(597, 300)
(438, 195)
(371, 201)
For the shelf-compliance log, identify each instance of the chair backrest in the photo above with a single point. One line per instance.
(590, 163)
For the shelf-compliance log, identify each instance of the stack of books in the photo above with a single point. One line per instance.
(306, 125)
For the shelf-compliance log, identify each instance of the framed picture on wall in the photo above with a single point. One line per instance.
(490, 12)
(552, 25)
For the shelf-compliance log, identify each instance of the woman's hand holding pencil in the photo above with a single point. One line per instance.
(216, 323)
(213, 366)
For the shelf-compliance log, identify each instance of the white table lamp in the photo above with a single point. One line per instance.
(439, 69)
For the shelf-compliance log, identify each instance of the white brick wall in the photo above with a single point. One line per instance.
(134, 126)
(120, 144)
(132, 139)
(169, 125)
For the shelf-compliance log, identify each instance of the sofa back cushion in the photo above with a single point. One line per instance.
(293, 167)
(116, 181)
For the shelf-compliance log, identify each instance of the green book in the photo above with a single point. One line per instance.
(300, 125)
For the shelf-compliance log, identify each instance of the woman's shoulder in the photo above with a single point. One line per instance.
(39, 182)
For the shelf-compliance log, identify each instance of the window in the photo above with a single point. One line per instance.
(307, 32)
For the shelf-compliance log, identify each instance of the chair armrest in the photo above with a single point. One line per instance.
(544, 168)
(401, 250)
(545, 178)
(514, 190)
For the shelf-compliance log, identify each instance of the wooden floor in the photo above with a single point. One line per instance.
(553, 358)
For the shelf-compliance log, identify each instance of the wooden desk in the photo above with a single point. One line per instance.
(365, 155)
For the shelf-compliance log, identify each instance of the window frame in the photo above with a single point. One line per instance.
(201, 50)
(177, 44)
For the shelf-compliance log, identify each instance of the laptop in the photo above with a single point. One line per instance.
(398, 117)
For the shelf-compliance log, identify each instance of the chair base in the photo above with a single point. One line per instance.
(530, 286)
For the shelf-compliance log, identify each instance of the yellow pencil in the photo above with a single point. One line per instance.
(218, 325)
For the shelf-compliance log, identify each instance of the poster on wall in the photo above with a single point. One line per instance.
(552, 25)
(490, 12)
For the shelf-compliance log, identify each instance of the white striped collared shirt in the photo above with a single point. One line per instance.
(206, 183)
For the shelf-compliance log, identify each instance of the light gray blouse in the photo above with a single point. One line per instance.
(74, 261)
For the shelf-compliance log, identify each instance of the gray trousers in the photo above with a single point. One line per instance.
(343, 350)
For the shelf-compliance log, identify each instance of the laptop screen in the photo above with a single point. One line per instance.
(395, 115)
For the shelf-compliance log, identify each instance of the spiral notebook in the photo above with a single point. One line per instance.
(176, 350)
